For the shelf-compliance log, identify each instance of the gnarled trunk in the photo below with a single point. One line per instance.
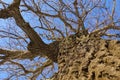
(89, 58)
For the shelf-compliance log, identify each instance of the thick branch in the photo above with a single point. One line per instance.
(12, 54)
(51, 52)
(38, 46)
(13, 11)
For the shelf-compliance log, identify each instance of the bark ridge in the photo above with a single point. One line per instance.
(89, 58)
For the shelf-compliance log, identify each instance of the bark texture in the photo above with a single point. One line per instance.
(81, 56)
(89, 58)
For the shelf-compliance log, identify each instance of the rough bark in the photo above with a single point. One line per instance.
(81, 57)
(88, 58)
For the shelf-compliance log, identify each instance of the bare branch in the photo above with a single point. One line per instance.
(15, 54)
(104, 29)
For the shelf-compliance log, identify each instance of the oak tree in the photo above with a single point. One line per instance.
(80, 36)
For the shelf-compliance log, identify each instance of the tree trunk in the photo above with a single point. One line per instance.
(89, 58)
